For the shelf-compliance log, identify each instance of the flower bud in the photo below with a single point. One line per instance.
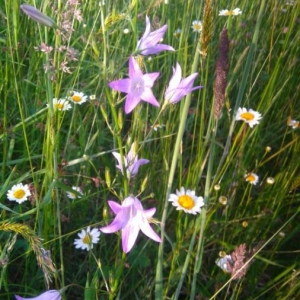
(37, 16)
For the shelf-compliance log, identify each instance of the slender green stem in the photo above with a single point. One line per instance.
(159, 266)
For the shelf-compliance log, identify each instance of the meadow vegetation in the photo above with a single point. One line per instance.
(147, 155)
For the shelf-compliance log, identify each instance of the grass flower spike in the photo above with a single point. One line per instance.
(187, 201)
(137, 86)
(61, 104)
(179, 87)
(251, 117)
(197, 26)
(148, 44)
(73, 196)
(88, 237)
(226, 12)
(49, 295)
(130, 219)
(19, 193)
(252, 178)
(235, 263)
(131, 161)
(37, 16)
(78, 97)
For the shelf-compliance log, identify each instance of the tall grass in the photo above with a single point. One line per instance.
(52, 151)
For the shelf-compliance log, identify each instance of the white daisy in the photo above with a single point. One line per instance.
(19, 193)
(270, 180)
(252, 178)
(251, 117)
(73, 196)
(155, 127)
(223, 263)
(78, 97)
(177, 33)
(197, 26)
(60, 104)
(187, 201)
(294, 124)
(226, 12)
(87, 238)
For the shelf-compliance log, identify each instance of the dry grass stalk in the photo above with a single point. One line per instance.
(206, 33)
(221, 74)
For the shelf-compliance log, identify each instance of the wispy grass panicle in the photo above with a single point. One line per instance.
(42, 256)
(221, 74)
(207, 22)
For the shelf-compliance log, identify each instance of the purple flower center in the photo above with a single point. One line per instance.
(137, 86)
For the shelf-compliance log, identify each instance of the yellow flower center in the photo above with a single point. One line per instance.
(76, 98)
(186, 201)
(247, 116)
(19, 194)
(87, 239)
(229, 13)
(250, 178)
(59, 106)
(197, 27)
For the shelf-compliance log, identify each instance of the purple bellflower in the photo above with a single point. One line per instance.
(148, 44)
(137, 86)
(131, 162)
(49, 295)
(130, 219)
(179, 87)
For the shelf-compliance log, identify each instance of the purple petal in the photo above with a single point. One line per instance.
(115, 207)
(148, 213)
(148, 96)
(157, 49)
(118, 157)
(129, 235)
(188, 81)
(176, 78)
(154, 37)
(135, 167)
(134, 68)
(148, 231)
(118, 223)
(121, 85)
(146, 33)
(131, 102)
(49, 295)
(149, 78)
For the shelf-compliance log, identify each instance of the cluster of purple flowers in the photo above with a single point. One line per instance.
(138, 86)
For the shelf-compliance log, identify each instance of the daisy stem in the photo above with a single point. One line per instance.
(202, 219)
(184, 114)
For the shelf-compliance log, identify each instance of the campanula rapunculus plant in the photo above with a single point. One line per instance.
(148, 44)
(130, 219)
(137, 86)
(49, 295)
(37, 16)
(179, 87)
(131, 162)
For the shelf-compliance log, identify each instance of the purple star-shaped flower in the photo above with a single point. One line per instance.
(137, 86)
(49, 295)
(130, 219)
(180, 87)
(131, 162)
(148, 44)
